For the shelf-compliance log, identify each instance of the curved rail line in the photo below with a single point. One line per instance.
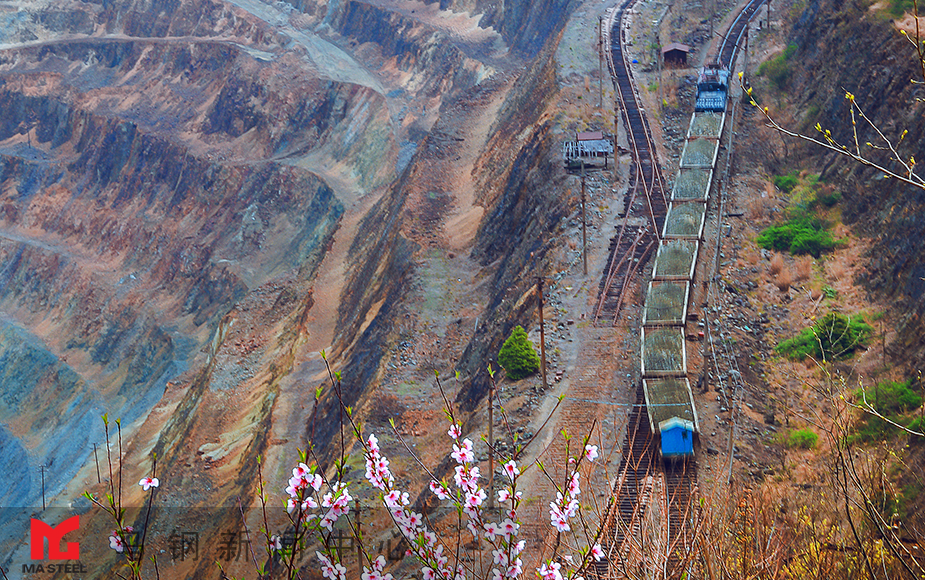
(728, 50)
(639, 485)
(631, 245)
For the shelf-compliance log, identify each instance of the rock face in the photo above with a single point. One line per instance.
(891, 212)
(194, 194)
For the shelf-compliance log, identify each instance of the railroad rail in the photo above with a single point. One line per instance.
(652, 521)
(632, 244)
(730, 45)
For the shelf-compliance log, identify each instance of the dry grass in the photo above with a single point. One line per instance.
(777, 265)
(756, 208)
(838, 270)
(815, 291)
(804, 268)
(784, 280)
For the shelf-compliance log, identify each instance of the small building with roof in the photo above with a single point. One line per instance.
(675, 54)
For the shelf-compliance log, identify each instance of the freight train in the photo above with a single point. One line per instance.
(667, 390)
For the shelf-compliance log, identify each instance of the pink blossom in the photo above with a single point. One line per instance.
(491, 531)
(509, 528)
(439, 490)
(557, 518)
(454, 431)
(475, 499)
(375, 573)
(591, 452)
(550, 571)
(276, 543)
(395, 498)
(499, 557)
(377, 469)
(115, 542)
(316, 482)
(597, 552)
(463, 453)
(504, 494)
(149, 482)
(467, 479)
(560, 523)
(373, 443)
(510, 468)
(331, 570)
(300, 470)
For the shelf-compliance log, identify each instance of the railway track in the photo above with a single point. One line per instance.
(632, 243)
(652, 522)
(623, 522)
(732, 39)
(634, 542)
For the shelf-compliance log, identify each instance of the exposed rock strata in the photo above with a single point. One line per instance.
(176, 177)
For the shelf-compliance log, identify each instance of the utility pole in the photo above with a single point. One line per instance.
(491, 445)
(658, 55)
(584, 230)
(658, 59)
(745, 60)
(712, 13)
(359, 537)
(539, 285)
(97, 459)
(600, 60)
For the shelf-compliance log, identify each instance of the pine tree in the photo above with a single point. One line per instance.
(517, 356)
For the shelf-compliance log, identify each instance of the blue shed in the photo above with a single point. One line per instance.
(677, 437)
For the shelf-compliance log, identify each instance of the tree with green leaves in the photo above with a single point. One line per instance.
(518, 356)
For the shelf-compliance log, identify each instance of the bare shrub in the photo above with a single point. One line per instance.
(838, 270)
(777, 265)
(804, 268)
(756, 208)
(784, 280)
(815, 292)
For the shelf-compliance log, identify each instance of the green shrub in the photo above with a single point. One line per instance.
(786, 183)
(799, 347)
(802, 439)
(812, 242)
(829, 199)
(803, 234)
(892, 400)
(833, 337)
(517, 356)
(900, 7)
(778, 70)
(917, 424)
